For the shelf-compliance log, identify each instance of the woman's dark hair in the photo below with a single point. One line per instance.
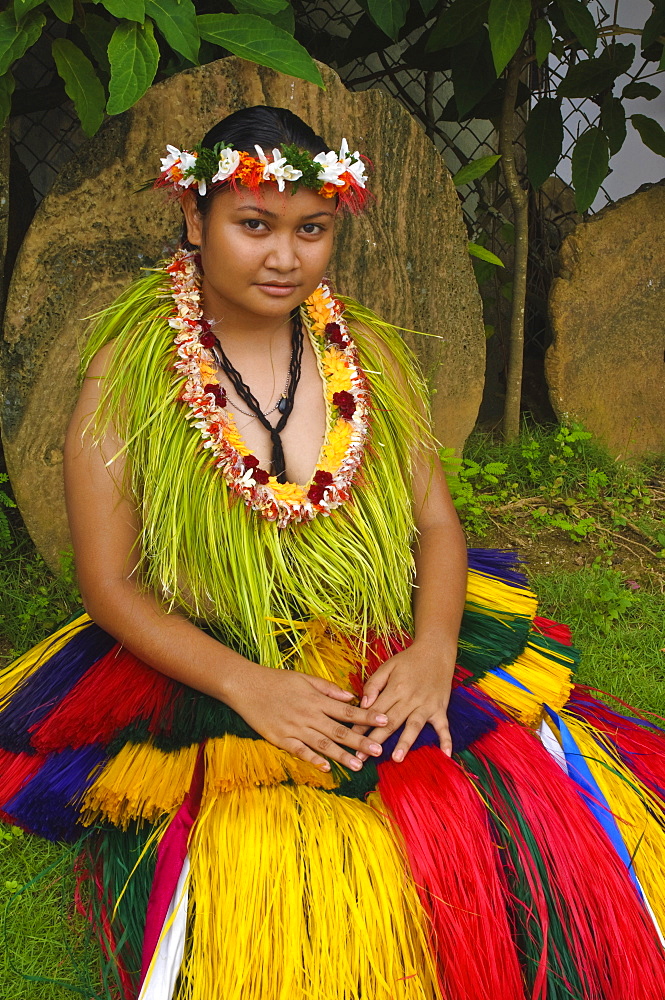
(262, 126)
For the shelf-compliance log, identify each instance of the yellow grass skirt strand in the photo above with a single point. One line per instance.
(639, 815)
(233, 762)
(139, 783)
(26, 665)
(546, 676)
(297, 894)
(498, 599)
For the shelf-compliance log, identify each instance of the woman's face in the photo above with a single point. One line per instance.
(262, 253)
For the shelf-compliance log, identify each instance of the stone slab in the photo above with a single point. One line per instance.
(606, 365)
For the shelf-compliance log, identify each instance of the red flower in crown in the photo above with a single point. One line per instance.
(345, 402)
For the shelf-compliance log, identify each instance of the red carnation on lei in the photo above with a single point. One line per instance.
(250, 462)
(345, 402)
(216, 391)
(207, 339)
(317, 490)
(261, 476)
(335, 335)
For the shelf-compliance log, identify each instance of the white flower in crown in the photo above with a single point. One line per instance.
(332, 168)
(279, 170)
(229, 161)
(177, 163)
(352, 164)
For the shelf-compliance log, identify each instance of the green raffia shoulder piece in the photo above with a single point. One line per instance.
(216, 559)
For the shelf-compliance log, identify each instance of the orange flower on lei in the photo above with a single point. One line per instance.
(318, 308)
(288, 492)
(338, 378)
(336, 446)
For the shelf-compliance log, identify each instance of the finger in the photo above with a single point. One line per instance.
(299, 749)
(412, 730)
(356, 716)
(329, 689)
(322, 744)
(346, 737)
(374, 686)
(440, 723)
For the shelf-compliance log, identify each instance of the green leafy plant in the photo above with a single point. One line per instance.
(559, 480)
(5, 501)
(113, 50)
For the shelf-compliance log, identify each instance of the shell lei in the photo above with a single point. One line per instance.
(347, 401)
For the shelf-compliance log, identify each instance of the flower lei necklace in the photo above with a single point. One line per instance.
(347, 403)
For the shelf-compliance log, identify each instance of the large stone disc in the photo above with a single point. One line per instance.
(606, 365)
(92, 234)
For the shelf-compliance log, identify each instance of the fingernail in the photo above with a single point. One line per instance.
(325, 767)
(355, 764)
(363, 702)
(381, 720)
(398, 755)
(448, 751)
(375, 748)
(361, 756)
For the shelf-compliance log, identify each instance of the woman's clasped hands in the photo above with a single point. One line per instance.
(315, 720)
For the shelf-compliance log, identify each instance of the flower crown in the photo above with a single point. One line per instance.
(329, 174)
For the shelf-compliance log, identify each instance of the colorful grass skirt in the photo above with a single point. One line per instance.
(531, 864)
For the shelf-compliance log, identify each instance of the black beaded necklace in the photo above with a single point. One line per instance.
(285, 405)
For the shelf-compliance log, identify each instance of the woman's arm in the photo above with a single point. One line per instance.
(299, 713)
(413, 687)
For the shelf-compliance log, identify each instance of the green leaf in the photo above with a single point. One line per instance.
(82, 85)
(97, 32)
(129, 10)
(389, 15)
(542, 36)
(472, 70)
(654, 27)
(484, 254)
(592, 76)
(457, 23)
(260, 7)
(134, 56)
(16, 39)
(284, 19)
(590, 163)
(256, 39)
(640, 88)
(613, 122)
(507, 23)
(651, 132)
(477, 168)
(63, 9)
(428, 5)
(176, 20)
(544, 140)
(580, 21)
(7, 84)
(279, 12)
(21, 7)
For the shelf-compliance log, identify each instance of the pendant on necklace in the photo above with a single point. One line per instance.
(281, 406)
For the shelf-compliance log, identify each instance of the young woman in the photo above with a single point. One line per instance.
(292, 774)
